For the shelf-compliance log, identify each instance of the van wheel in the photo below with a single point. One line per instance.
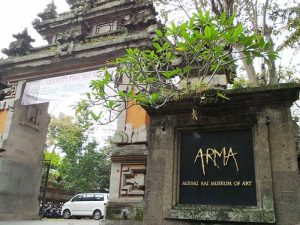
(67, 214)
(97, 215)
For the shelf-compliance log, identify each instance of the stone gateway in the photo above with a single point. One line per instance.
(236, 164)
(92, 33)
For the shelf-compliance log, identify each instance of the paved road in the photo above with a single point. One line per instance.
(53, 222)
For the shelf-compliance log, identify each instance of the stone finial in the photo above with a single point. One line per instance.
(36, 22)
(80, 3)
(49, 13)
(72, 2)
(21, 46)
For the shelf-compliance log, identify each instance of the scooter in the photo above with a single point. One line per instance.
(52, 212)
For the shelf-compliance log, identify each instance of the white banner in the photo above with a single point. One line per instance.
(52, 89)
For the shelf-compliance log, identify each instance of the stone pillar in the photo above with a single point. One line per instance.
(22, 143)
(254, 124)
(128, 171)
(284, 165)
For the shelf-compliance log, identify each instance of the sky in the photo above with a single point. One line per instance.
(15, 15)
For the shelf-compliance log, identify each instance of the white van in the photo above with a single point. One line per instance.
(85, 204)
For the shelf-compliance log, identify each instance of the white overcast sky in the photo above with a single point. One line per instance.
(15, 15)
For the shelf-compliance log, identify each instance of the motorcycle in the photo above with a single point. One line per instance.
(52, 212)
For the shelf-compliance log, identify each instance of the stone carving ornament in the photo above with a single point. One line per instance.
(65, 41)
(49, 13)
(133, 180)
(80, 4)
(8, 91)
(21, 46)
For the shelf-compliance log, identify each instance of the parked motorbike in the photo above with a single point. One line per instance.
(52, 212)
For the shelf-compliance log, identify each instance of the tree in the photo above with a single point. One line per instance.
(55, 162)
(271, 19)
(200, 48)
(88, 171)
(292, 16)
(76, 161)
(64, 134)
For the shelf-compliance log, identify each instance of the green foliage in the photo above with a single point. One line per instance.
(55, 162)
(239, 83)
(291, 29)
(65, 134)
(54, 158)
(80, 165)
(287, 74)
(204, 45)
(87, 171)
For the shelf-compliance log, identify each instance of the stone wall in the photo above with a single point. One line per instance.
(127, 185)
(22, 143)
(19, 190)
(266, 111)
(284, 165)
(27, 133)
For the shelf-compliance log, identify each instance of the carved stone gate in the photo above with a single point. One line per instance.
(81, 40)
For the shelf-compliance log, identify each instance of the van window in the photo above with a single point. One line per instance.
(99, 197)
(88, 197)
(77, 198)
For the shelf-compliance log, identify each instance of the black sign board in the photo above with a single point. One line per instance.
(217, 168)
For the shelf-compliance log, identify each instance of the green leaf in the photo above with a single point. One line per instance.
(94, 116)
(159, 33)
(122, 94)
(238, 30)
(182, 47)
(230, 20)
(207, 32)
(153, 98)
(221, 95)
(187, 69)
(111, 104)
(156, 45)
(88, 95)
(223, 18)
(210, 33)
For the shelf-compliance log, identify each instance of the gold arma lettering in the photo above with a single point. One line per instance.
(212, 154)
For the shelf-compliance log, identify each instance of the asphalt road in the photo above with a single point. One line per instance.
(53, 222)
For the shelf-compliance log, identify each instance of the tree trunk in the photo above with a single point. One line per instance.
(272, 68)
(253, 81)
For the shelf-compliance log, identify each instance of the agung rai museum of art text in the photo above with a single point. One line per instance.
(217, 168)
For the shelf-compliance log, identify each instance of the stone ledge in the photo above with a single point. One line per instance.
(272, 95)
(130, 149)
(232, 214)
(120, 222)
(122, 211)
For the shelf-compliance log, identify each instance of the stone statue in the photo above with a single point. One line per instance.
(21, 46)
(75, 4)
(49, 13)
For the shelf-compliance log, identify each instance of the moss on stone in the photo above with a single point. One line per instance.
(233, 214)
(139, 213)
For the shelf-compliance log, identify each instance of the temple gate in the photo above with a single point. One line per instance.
(236, 164)
(81, 40)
